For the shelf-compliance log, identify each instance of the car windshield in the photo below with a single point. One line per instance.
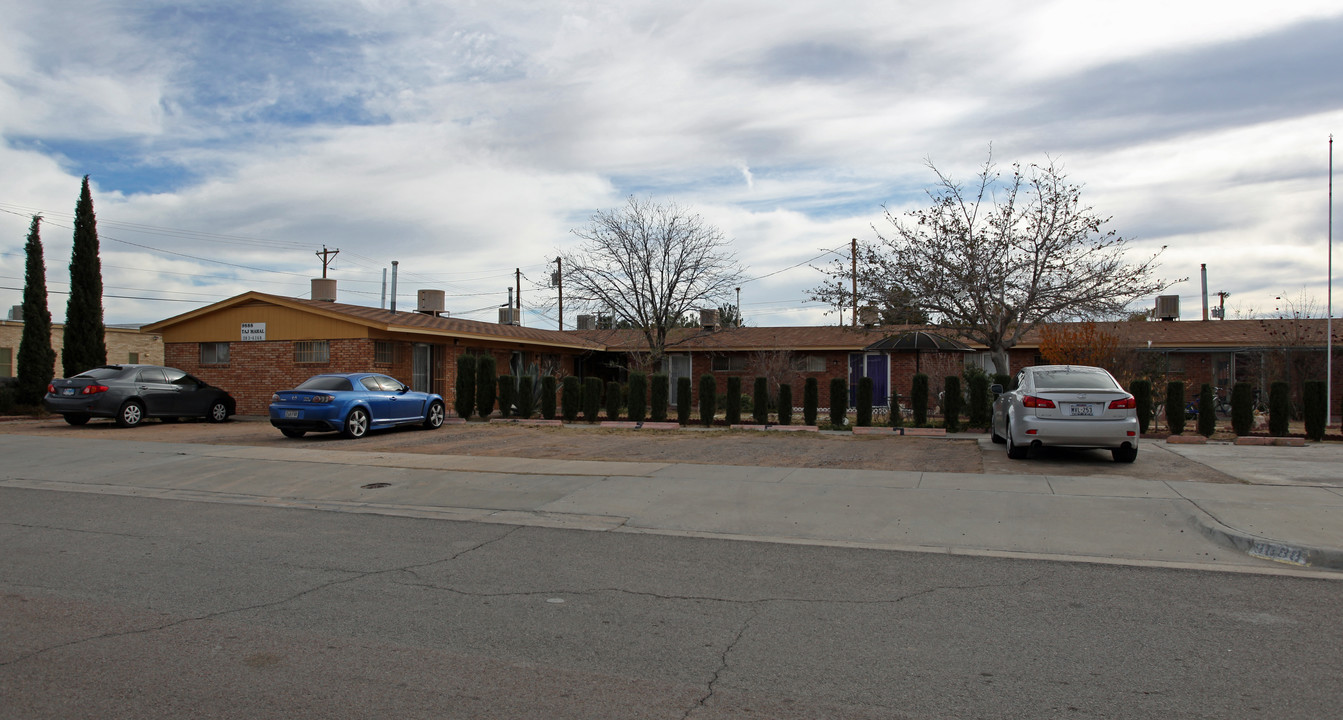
(326, 382)
(1073, 379)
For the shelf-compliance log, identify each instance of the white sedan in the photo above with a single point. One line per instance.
(1066, 406)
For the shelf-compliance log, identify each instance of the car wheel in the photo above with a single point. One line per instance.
(1125, 454)
(292, 433)
(76, 419)
(132, 413)
(434, 418)
(1014, 451)
(218, 412)
(356, 423)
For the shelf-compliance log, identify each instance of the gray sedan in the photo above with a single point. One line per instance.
(1066, 406)
(131, 393)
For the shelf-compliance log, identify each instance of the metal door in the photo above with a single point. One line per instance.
(422, 368)
(877, 370)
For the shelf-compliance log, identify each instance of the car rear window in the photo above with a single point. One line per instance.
(326, 383)
(1073, 380)
(102, 373)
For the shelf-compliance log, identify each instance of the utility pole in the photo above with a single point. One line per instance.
(1329, 304)
(853, 258)
(558, 282)
(326, 256)
(1222, 295)
(517, 280)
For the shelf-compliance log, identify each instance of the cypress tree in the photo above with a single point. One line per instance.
(708, 399)
(85, 343)
(1175, 406)
(683, 400)
(864, 418)
(1207, 414)
(1242, 408)
(1313, 405)
(951, 403)
(592, 399)
(760, 401)
(37, 359)
(839, 401)
(918, 398)
(1142, 396)
(485, 384)
(811, 400)
(732, 402)
(508, 399)
(464, 395)
(571, 398)
(549, 386)
(525, 397)
(613, 400)
(661, 386)
(637, 404)
(785, 404)
(1279, 408)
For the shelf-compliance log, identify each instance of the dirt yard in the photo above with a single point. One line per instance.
(962, 454)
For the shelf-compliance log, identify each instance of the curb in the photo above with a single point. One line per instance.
(1264, 548)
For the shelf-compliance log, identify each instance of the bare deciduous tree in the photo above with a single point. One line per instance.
(996, 258)
(650, 264)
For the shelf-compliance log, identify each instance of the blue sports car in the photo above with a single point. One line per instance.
(352, 404)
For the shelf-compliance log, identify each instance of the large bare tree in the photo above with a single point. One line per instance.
(994, 258)
(650, 265)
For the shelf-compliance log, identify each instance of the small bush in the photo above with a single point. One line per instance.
(683, 400)
(526, 397)
(1207, 412)
(708, 399)
(864, 414)
(1142, 396)
(1279, 409)
(839, 401)
(464, 401)
(7, 402)
(1313, 407)
(785, 404)
(548, 388)
(732, 401)
(485, 384)
(918, 399)
(637, 403)
(810, 401)
(1175, 406)
(571, 398)
(592, 399)
(613, 400)
(1242, 408)
(951, 404)
(506, 395)
(760, 401)
(659, 389)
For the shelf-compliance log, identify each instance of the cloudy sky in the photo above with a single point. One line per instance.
(228, 142)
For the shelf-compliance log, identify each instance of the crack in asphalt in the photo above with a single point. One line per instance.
(75, 530)
(354, 576)
(710, 688)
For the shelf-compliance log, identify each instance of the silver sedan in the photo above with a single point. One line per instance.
(1066, 406)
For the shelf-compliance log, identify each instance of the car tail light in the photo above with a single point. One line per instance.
(322, 398)
(1127, 403)
(51, 389)
(275, 397)
(1031, 401)
(94, 389)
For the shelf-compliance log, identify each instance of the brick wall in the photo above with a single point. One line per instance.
(255, 370)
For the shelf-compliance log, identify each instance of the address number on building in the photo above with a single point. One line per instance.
(253, 331)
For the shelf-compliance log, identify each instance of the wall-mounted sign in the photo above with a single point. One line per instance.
(253, 331)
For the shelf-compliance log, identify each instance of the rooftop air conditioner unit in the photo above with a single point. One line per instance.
(508, 316)
(587, 322)
(867, 315)
(1168, 307)
(324, 289)
(429, 302)
(16, 312)
(708, 318)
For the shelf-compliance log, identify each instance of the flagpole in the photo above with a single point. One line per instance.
(1329, 303)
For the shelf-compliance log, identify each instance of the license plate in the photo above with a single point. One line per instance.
(67, 391)
(1081, 409)
(291, 414)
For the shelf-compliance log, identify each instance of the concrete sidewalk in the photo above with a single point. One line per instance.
(1257, 528)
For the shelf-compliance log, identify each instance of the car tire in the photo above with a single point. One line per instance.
(1125, 454)
(1014, 451)
(292, 433)
(132, 413)
(218, 412)
(356, 424)
(434, 418)
(76, 419)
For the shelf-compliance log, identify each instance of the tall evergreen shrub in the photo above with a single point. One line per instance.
(1242, 408)
(464, 395)
(36, 360)
(613, 400)
(486, 383)
(760, 401)
(571, 398)
(1142, 396)
(839, 401)
(508, 398)
(1279, 409)
(981, 401)
(85, 344)
(810, 401)
(637, 404)
(951, 404)
(1313, 405)
(659, 390)
(1175, 406)
(708, 399)
(683, 400)
(864, 412)
(918, 399)
(1207, 412)
(732, 401)
(785, 404)
(548, 388)
(592, 399)
(525, 401)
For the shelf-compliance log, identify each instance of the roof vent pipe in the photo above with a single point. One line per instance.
(1203, 270)
(394, 264)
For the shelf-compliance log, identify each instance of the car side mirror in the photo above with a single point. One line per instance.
(404, 389)
(996, 389)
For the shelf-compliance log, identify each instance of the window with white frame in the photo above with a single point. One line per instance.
(312, 351)
(214, 353)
